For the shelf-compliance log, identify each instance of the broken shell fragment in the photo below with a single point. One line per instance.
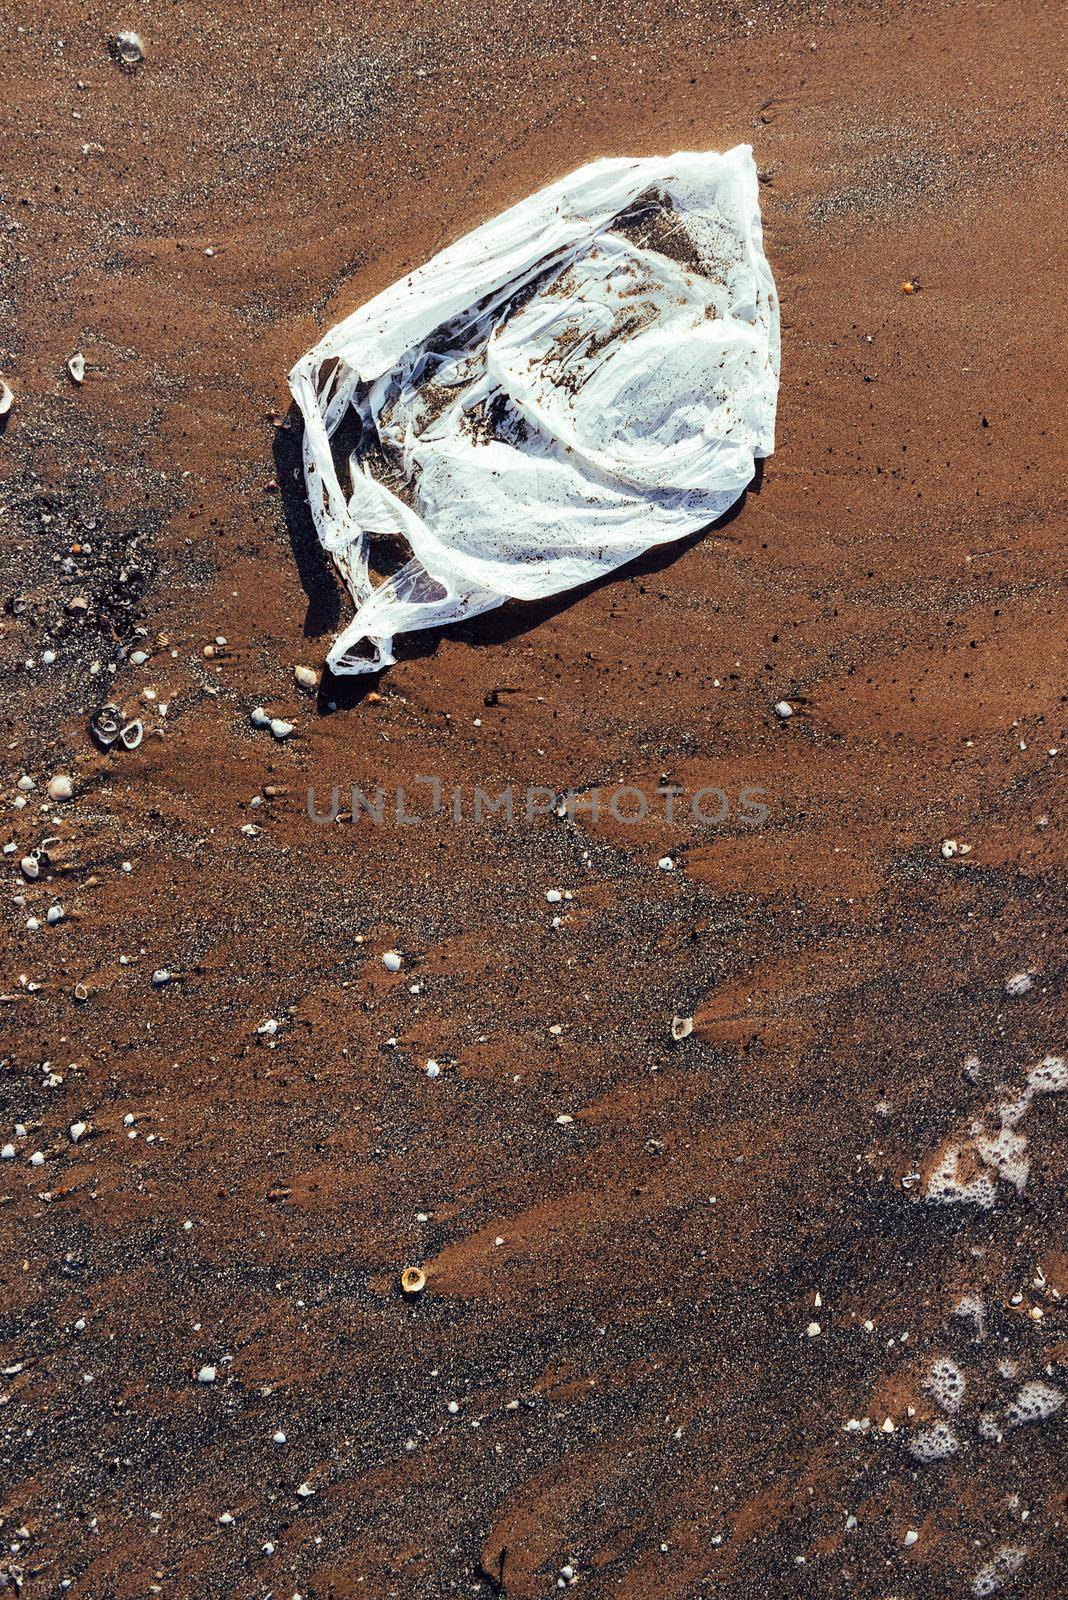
(132, 734)
(307, 678)
(31, 867)
(280, 728)
(60, 787)
(76, 367)
(681, 1027)
(412, 1282)
(81, 993)
(7, 399)
(259, 718)
(106, 725)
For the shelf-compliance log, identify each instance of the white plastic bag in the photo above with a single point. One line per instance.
(591, 373)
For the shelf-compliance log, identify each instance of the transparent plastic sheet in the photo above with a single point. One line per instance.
(593, 372)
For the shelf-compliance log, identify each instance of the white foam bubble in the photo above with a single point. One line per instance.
(946, 1187)
(1034, 1402)
(993, 1575)
(1050, 1076)
(945, 1381)
(1010, 1112)
(935, 1443)
(1005, 1151)
(970, 1307)
(1019, 983)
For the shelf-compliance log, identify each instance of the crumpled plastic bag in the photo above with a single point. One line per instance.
(590, 373)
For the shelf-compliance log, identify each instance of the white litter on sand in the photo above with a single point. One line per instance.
(591, 373)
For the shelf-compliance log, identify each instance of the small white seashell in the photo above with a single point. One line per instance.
(26, 784)
(270, 1027)
(553, 896)
(278, 1438)
(76, 367)
(132, 734)
(48, 657)
(139, 657)
(37, 1159)
(207, 1375)
(7, 399)
(54, 914)
(910, 1538)
(129, 48)
(78, 1131)
(813, 1330)
(666, 864)
(949, 849)
(307, 677)
(60, 787)
(281, 729)
(1019, 983)
(392, 960)
(433, 1070)
(783, 709)
(681, 1027)
(226, 1519)
(7, 1153)
(160, 978)
(31, 867)
(259, 718)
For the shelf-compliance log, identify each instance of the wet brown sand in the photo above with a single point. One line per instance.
(610, 1369)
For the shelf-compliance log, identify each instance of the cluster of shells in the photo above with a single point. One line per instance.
(109, 726)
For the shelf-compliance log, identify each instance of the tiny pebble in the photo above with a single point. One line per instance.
(391, 960)
(783, 709)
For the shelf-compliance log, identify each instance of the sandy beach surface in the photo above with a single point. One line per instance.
(772, 1309)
